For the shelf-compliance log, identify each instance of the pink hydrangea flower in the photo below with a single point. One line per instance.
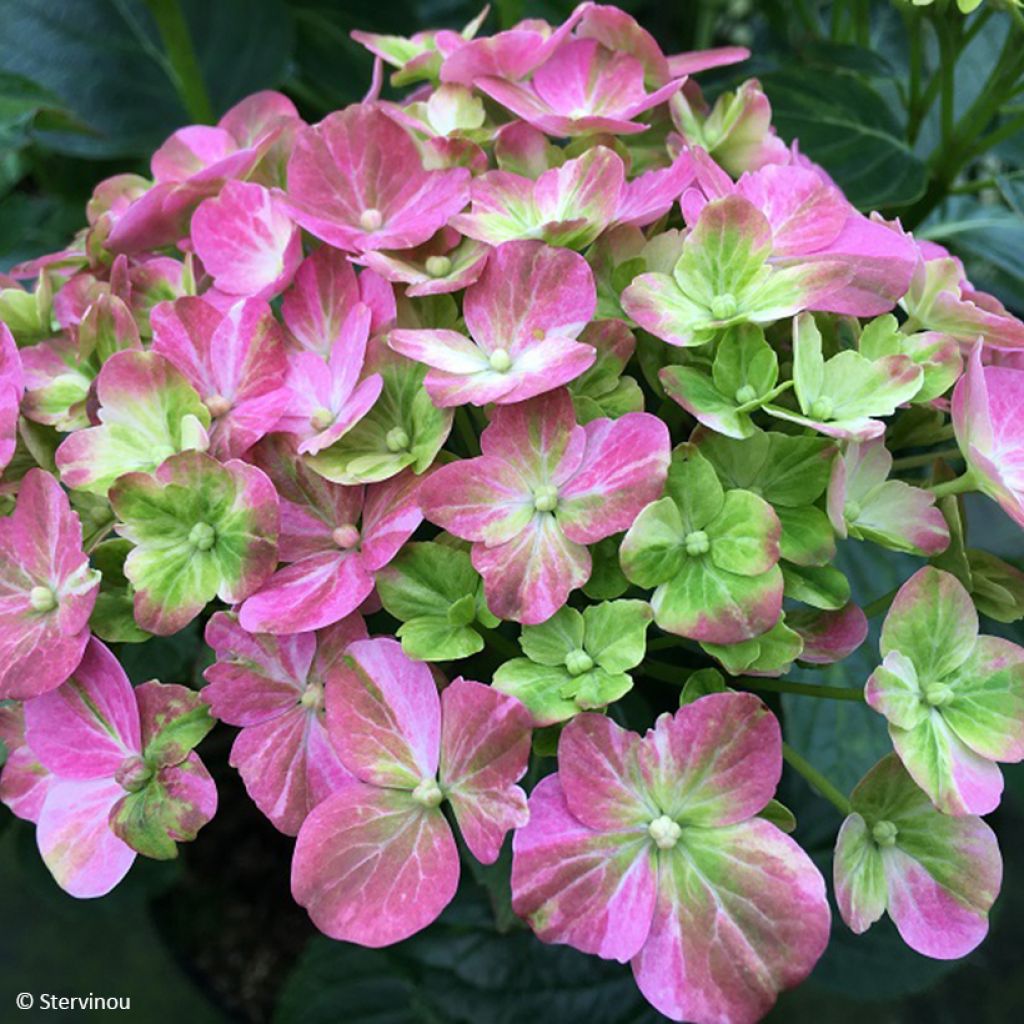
(327, 398)
(236, 362)
(582, 88)
(649, 850)
(47, 590)
(524, 315)
(324, 293)
(123, 776)
(12, 387)
(987, 404)
(333, 539)
(445, 263)
(246, 241)
(409, 750)
(542, 490)
(273, 687)
(356, 181)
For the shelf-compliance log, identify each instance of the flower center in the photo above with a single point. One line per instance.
(396, 439)
(428, 793)
(665, 832)
(697, 543)
(42, 599)
(345, 536)
(322, 418)
(578, 661)
(545, 498)
(500, 360)
(724, 306)
(133, 773)
(438, 266)
(938, 694)
(312, 697)
(371, 219)
(745, 394)
(884, 833)
(202, 536)
(851, 511)
(218, 405)
(821, 408)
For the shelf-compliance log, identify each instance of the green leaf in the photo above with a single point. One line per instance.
(822, 586)
(607, 580)
(846, 125)
(807, 537)
(426, 578)
(779, 815)
(434, 638)
(113, 616)
(700, 684)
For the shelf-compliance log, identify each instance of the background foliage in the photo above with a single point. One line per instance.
(918, 113)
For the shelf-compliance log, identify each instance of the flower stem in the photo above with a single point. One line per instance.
(804, 689)
(958, 486)
(186, 72)
(912, 461)
(815, 779)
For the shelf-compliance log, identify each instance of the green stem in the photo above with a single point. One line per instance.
(804, 689)
(186, 72)
(912, 461)
(961, 484)
(816, 780)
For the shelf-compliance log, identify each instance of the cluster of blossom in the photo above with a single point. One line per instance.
(617, 359)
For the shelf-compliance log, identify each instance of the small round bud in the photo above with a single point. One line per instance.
(851, 511)
(697, 543)
(371, 219)
(745, 394)
(938, 694)
(438, 266)
(578, 661)
(821, 408)
(545, 498)
(218, 405)
(500, 360)
(133, 773)
(202, 536)
(396, 439)
(428, 793)
(322, 418)
(884, 833)
(724, 306)
(346, 536)
(42, 599)
(665, 832)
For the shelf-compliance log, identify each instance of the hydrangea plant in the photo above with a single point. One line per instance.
(513, 441)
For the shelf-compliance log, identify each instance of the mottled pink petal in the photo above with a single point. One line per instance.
(12, 387)
(829, 636)
(24, 783)
(485, 749)
(591, 890)
(391, 514)
(384, 715)
(84, 856)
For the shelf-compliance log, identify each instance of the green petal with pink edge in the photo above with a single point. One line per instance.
(148, 412)
(741, 915)
(937, 875)
(174, 721)
(201, 529)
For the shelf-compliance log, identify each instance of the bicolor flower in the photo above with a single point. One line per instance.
(936, 875)
(711, 556)
(583, 88)
(446, 263)
(409, 750)
(147, 412)
(954, 700)
(47, 590)
(333, 539)
(273, 687)
(986, 417)
(123, 776)
(542, 490)
(650, 850)
(324, 293)
(236, 361)
(327, 398)
(246, 240)
(864, 503)
(201, 529)
(356, 181)
(523, 315)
